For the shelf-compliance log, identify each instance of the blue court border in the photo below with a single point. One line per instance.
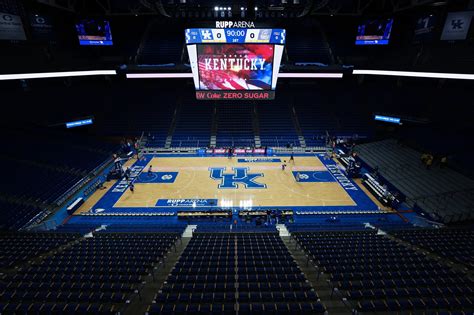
(107, 202)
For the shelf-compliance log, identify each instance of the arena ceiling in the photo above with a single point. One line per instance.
(233, 9)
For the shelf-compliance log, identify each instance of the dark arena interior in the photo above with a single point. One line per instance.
(237, 157)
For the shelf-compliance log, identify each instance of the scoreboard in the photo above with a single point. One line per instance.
(235, 36)
(235, 63)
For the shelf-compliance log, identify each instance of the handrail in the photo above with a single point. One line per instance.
(38, 218)
(71, 190)
(81, 183)
(143, 40)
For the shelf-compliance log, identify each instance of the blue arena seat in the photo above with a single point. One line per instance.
(209, 266)
(64, 283)
(378, 274)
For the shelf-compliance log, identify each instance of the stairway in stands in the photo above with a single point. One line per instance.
(70, 273)
(372, 272)
(188, 232)
(161, 45)
(309, 44)
(318, 280)
(318, 272)
(193, 127)
(153, 282)
(174, 120)
(282, 230)
(256, 126)
(234, 125)
(276, 127)
(296, 123)
(229, 273)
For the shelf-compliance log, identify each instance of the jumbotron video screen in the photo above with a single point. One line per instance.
(375, 32)
(235, 63)
(235, 67)
(94, 32)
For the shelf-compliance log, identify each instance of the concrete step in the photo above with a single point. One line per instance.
(282, 229)
(258, 142)
(213, 141)
(188, 232)
(153, 282)
(168, 142)
(319, 281)
(302, 141)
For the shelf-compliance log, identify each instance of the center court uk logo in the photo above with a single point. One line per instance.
(167, 177)
(241, 175)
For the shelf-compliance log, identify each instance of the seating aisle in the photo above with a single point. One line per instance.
(223, 273)
(377, 274)
(234, 128)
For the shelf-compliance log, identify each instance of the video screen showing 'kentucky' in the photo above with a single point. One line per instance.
(235, 66)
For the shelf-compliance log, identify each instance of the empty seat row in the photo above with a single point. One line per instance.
(386, 276)
(250, 272)
(114, 269)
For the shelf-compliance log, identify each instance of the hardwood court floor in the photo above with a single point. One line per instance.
(97, 195)
(193, 181)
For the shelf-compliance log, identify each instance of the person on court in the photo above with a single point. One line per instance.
(283, 166)
(292, 158)
(150, 171)
(137, 148)
(132, 187)
(128, 171)
(117, 162)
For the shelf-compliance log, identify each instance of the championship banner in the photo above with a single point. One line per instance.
(424, 28)
(11, 27)
(456, 26)
(41, 27)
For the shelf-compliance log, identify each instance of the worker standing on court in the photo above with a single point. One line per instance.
(137, 148)
(150, 171)
(128, 171)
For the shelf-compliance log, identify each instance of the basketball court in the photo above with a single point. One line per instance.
(180, 182)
